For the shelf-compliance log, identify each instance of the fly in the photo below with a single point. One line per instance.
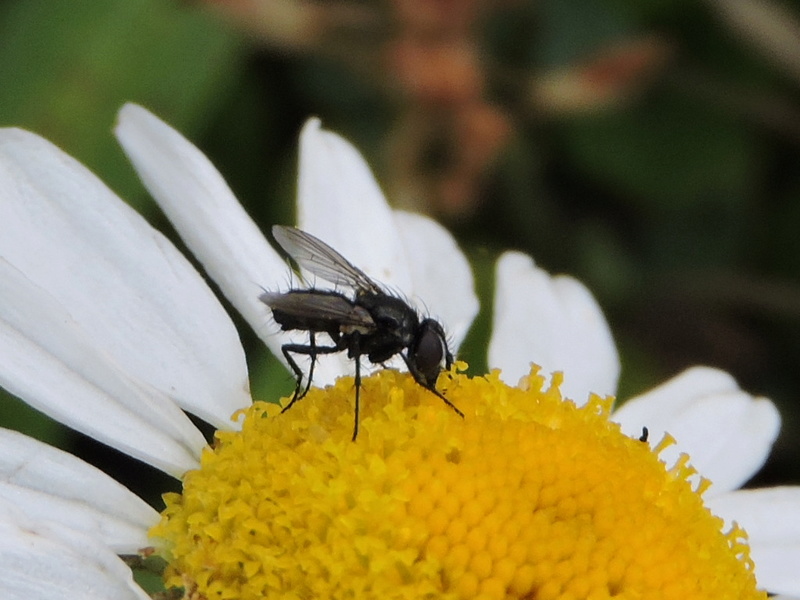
(372, 322)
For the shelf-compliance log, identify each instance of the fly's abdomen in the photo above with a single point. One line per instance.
(317, 310)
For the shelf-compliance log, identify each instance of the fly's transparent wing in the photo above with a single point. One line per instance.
(316, 257)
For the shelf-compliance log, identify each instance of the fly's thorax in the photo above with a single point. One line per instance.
(393, 317)
(364, 316)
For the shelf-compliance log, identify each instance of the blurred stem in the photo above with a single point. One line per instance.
(739, 291)
(777, 114)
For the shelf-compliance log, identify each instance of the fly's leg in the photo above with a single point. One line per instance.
(312, 342)
(311, 350)
(298, 373)
(420, 379)
(358, 390)
(354, 352)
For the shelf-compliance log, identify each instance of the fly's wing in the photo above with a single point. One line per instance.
(316, 311)
(316, 257)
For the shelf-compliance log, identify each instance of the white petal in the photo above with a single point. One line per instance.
(339, 201)
(121, 281)
(675, 394)
(51, 362)
(554, 322)
(727, 432)
(206, 214)
(43, 561)
(48, 484)
(441, 276)
(771, 518)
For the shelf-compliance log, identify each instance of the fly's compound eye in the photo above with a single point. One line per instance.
(430, 351)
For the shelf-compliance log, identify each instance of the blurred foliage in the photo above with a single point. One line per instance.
(66, 67)
(649, 148)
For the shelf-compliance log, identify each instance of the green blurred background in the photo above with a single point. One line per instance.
(651, 149)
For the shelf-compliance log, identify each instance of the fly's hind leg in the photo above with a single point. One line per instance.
(311, 350)
(298, 373)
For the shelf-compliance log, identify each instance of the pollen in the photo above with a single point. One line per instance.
(528, 496)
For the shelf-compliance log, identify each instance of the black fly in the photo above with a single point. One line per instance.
(372, 323)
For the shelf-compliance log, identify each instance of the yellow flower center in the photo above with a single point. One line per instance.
(528, 497)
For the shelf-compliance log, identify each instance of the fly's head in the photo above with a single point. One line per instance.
(429, 352)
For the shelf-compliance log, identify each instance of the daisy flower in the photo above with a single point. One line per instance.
(107, 328)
